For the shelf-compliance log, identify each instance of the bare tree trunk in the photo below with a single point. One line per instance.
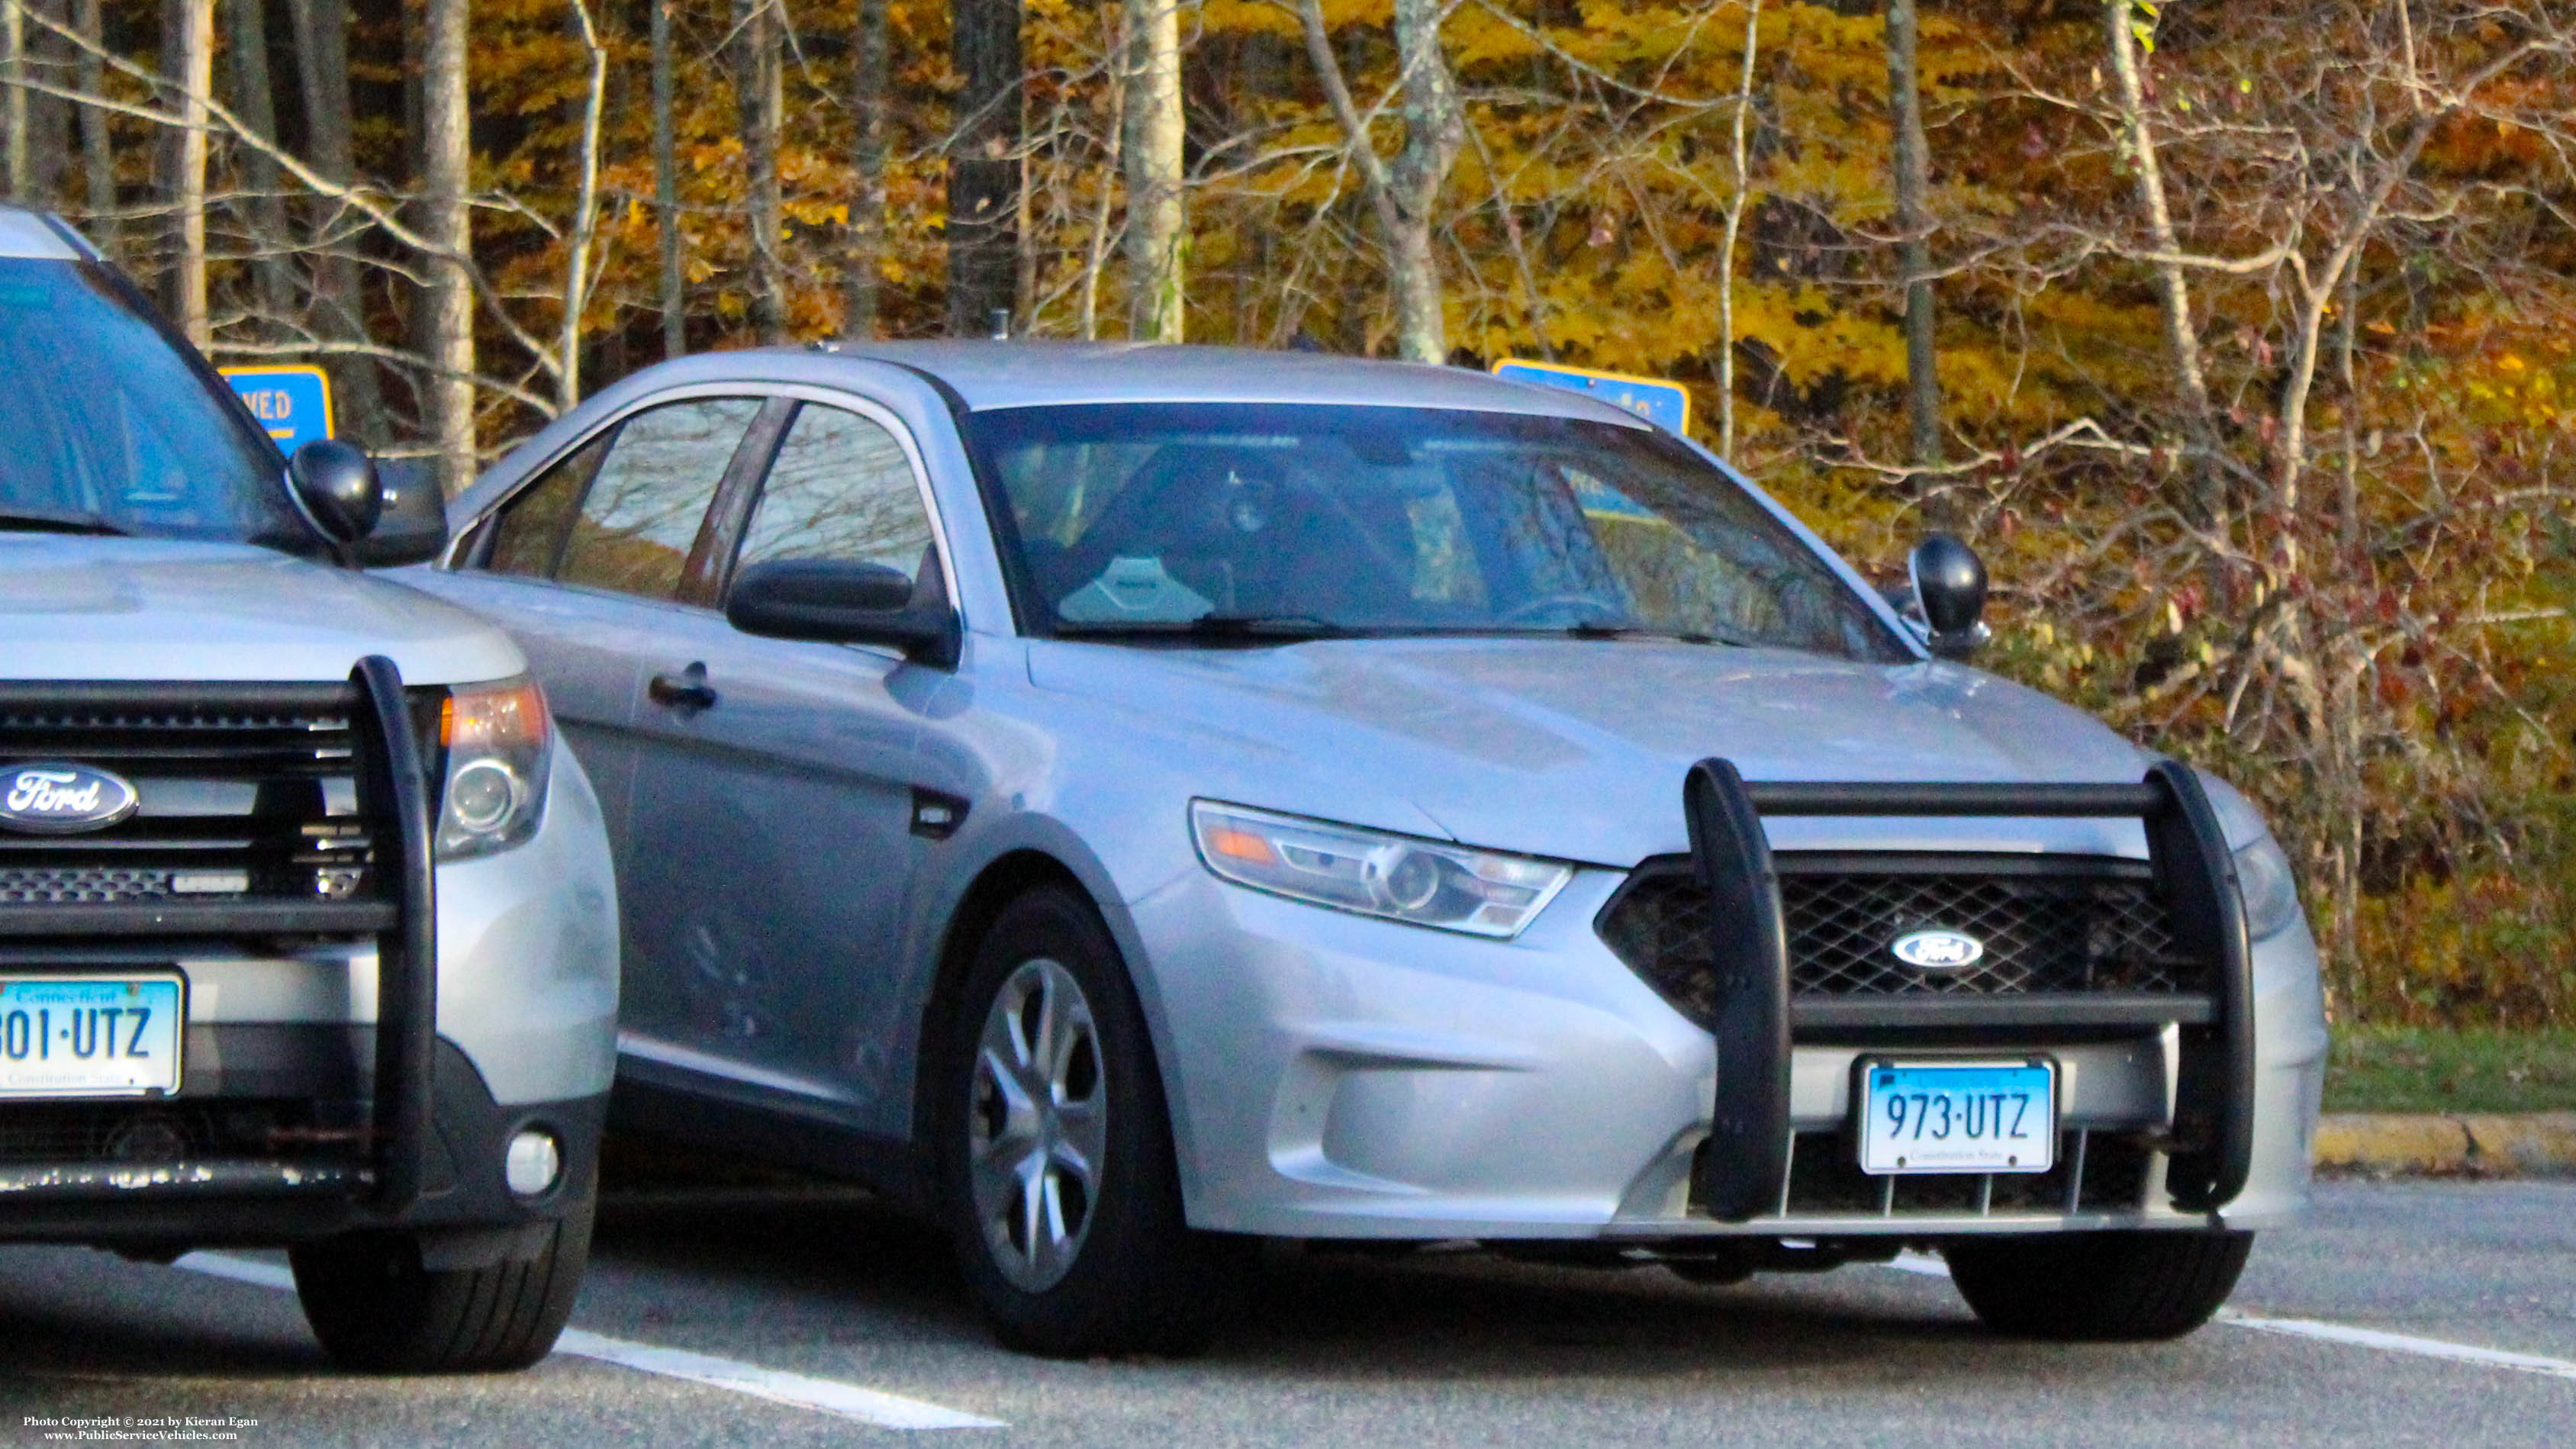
(666, 186)
(585, 215)
(44, 54)
(1095, 258)
(98, 161)
(1405, 193)
(1735, 204)
(339, 308)
(863, 263)
(2182, 341)
(254, 104)
(984, 166)
(1914, 229)
(1024, 247)
(189, 60)
(1434, 128)
(446, 319)
(16, 180)
(759, 91)
(1157, 229)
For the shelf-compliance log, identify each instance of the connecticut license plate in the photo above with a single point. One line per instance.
(1958, 1117)
(89, 1036)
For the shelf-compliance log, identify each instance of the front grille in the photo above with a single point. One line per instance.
(84, 885)
(145, 1134)
(247, 794)
(2074, 925)
(2094, 1172)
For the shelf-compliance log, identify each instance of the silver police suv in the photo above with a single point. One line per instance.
(1133, 801)
(307, 922)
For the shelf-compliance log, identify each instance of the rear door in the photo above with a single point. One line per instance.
(772, 842)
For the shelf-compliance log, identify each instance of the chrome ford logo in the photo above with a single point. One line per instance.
(1938, 950)
(61, 799)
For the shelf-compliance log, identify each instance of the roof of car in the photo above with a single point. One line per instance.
(992, 375)
(28, 236)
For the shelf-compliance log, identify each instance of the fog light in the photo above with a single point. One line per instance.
(532, 1163)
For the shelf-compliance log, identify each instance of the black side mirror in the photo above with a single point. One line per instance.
(412, 527)
(837, 602)
(1950, 589)
(335, 485)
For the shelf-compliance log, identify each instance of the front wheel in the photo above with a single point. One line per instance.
(2098, 1287)
(1060, 1184)
(377, 1309)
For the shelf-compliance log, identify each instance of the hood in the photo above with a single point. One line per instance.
(1577, 749)
(129, 608)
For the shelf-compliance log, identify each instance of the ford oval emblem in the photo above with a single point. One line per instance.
(1938, 950)
(61, 799)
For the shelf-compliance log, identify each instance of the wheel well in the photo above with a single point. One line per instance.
(1002, 882)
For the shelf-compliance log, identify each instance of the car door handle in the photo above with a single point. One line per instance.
(685, 690)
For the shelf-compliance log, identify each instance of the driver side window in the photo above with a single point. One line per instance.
(841, 488)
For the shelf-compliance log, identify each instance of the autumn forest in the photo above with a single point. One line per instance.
(2240, 338)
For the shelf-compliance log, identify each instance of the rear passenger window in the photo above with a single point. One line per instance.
(843, 489)
(530, 530)
(642, 512)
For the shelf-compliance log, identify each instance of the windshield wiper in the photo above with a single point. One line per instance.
(47, 520)
(1591, 629)
(1639, 631)
(1212, 626)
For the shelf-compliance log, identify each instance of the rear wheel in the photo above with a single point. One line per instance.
(376, 1308)
(2098, 1287)
(1060, 1182)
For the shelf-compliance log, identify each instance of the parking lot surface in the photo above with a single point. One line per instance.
(2410, 1313)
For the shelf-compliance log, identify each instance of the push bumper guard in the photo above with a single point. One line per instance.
(1742, 1173)
(393, 785)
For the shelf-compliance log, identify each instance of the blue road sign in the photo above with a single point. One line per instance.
(293, 403)
(1666, 404)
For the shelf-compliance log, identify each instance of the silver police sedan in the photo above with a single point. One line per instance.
(1133, 801)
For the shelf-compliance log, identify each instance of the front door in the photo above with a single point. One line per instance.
(772, 843)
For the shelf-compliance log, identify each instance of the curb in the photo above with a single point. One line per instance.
(2521, 1144)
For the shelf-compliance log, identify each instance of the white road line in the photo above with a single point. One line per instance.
(240, 1270)
(891, 1411)
(849, 1401)
(2530, 1363)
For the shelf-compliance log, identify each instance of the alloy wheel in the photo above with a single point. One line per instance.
(1036, 1124)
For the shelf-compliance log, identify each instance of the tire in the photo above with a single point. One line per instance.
(1050, 1114)
(2098, 1287)
(376, 1309)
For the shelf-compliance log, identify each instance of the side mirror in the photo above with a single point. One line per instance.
(836, 602)
(1950, 589)
(335, 485)
(412, 528)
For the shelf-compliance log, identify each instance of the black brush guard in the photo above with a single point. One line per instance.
(1741, 1174)
(394, 791)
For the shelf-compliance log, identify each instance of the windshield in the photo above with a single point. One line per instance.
(111, 428)
(1273, 519)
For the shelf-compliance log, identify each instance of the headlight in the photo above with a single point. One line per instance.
(1398, 877)
(495, 737)
(2271, 888)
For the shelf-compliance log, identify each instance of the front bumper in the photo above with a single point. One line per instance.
(277, 1115)
(284, 1127)
(1333, 1076)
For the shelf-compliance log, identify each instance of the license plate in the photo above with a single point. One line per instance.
(1958, 1117)
(90, 1036)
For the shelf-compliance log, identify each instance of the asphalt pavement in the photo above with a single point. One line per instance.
(2402, 1313)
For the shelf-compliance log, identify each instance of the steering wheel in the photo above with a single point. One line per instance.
(1528, 610)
